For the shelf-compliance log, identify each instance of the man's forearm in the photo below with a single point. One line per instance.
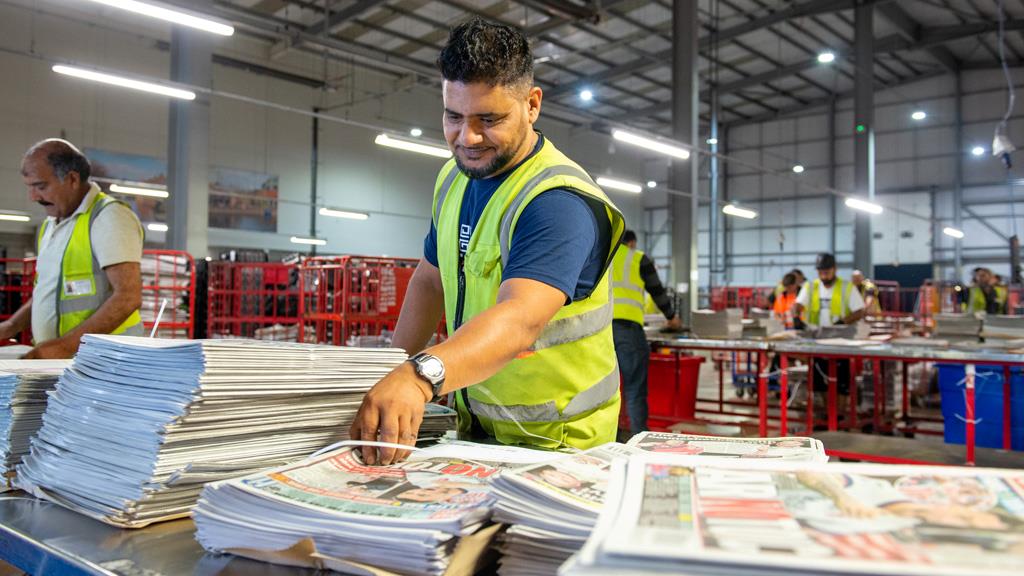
(485, 344)
(21, 318)
(855, 316)
(421, 312)
(105, 320)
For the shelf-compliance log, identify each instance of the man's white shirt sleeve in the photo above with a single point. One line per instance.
(855, 300)
(804, 297)
(116, 236)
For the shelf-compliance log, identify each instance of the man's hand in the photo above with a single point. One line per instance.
(675, 323)
(57, 348)
(391, 412)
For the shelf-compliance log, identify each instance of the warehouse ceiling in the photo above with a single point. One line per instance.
(762, 55)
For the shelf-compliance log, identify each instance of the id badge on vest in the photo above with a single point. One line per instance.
(78, 287)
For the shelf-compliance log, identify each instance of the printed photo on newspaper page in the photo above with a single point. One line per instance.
(579, 480)
(843, 518)
(794, 448)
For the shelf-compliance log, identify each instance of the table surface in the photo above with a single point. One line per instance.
(43, 538)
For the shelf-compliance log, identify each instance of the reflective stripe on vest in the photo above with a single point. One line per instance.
(976, 301)
(628, 285)
(81, 291)
(564, 388)
(838, 307)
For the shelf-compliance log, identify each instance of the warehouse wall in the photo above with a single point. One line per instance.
(394, 186)
(916, 171)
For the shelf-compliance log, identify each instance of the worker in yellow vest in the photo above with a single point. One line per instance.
(982, 295)
(1002, 294)
(828, 301)
(868, 292)
(89, 248)
(633, 275)
(516, 259)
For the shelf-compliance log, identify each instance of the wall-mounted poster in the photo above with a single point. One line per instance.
(239, 199)
(243, 200)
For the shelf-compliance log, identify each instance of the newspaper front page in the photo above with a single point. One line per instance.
(788, 448)
(772, 517)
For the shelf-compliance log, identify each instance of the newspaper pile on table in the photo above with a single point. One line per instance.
(14, 351)
(552, 507)
(1002, 327)
(137, 425)
(23, 388)
(332, 511)
(722, 324)
(790, 448)
(957, 328)
(669, 515)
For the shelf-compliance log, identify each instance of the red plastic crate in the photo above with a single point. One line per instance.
(253, 300)
(169, 275)
(17, 277)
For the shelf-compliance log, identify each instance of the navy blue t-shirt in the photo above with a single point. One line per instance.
(557, 240)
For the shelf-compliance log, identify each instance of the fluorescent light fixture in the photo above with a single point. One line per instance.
(953, 232)
(661, 147)
(827, 57)
(15, 218)
(385, 140)
(156, 227)
(310, 241)
(712, 141)
(734, 210)
(170, 15)
(619, 185)
(138, 191)
(343, 214)
(652, 184)
(978, 151)
(416, 132)
(863, 206)
(586, 95)
(919, 115)
(799, 169)
(151, 87)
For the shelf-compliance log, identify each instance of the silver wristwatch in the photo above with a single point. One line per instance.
(430, 369)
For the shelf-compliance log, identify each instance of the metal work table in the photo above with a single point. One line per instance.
(42, 538)
(876, 353)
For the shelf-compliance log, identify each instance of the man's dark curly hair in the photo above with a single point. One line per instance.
(482, 51)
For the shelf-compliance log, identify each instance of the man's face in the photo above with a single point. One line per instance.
(857, 278)
(58, 197)
(488, 127)
(984, 277)
(827, 276)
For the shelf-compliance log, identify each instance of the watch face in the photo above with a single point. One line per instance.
(432, 368)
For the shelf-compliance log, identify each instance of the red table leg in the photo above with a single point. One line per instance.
(762, 396)
(810, 395)
(876, 376)
(905, 411)
(721, 386)
(1007, 403)
(833, 416)
(855, 368)
(783, 394)
(879, 401)
(969, 405)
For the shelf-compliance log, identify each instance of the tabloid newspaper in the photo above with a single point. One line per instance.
(788, 448)
(667, 515)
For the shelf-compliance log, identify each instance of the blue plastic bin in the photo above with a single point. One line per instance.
(988, 405)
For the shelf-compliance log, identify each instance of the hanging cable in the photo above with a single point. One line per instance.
(1001, 144)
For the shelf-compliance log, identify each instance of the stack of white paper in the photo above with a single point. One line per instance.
(137, 425)
(957, 327)
(334, 511)
(23, 388)
(672, 516)
(1001, 327)
(723, 324)
(14, 351)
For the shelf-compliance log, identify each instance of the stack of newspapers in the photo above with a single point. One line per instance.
(23, 388)
(332, 511)
(669, 515)
(137, 425)
(1001, 327)
(957, 327)
(722, 324)
(552, 507)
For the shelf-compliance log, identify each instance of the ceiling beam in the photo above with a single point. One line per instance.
(333, 20)
(910, 30)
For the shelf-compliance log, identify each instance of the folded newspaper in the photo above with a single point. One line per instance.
(552, 508)
(669, 515)
(24, 385)
(789, 448)
(333, 511)
(136, 426)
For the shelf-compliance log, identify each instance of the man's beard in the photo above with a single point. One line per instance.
(828, 283)
(502, 158)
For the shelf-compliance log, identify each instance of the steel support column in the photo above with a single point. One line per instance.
(188, 144)
(714, 269)
(832, 176)
(958, 184)
(683, 175)
(864, 132)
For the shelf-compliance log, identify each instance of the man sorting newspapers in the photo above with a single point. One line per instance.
(515, 259)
